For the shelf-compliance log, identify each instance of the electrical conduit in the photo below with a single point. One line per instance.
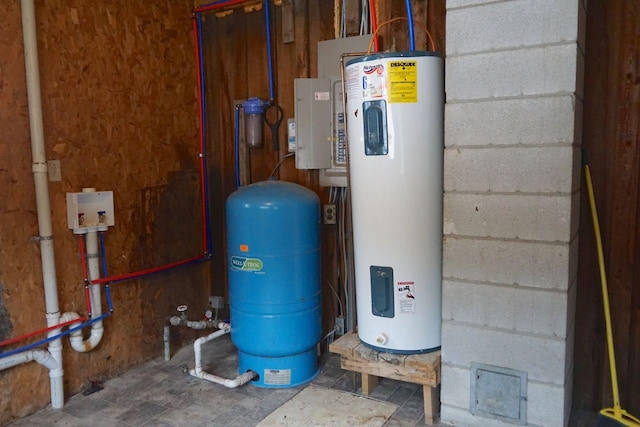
(224, 328)
(43, 206)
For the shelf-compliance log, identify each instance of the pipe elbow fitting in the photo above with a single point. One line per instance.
(246, 377)
(83, 346)
(175, 320)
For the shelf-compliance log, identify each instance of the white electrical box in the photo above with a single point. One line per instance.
(291, 135)
(313, 123)
(90, 210)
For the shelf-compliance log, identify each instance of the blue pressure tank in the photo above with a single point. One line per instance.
(273, 247)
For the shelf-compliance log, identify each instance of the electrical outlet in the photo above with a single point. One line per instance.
(55, 173)
(339, 325)
(329, 214)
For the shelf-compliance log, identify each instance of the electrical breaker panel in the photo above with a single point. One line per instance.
(320, 124)
(329, 52)
(313, 123)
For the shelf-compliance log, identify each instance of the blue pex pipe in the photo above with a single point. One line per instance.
(412, 35)
(236, 144)
(105, 271)
(267, 21)
(53, 337)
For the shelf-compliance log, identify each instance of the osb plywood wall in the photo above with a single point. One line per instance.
(120, 113)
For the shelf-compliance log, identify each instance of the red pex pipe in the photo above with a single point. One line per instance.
(42, 331)
(201, 136)
(218, 5)
(374, 24)
(198, 258)
(141, 273)
(83, 258)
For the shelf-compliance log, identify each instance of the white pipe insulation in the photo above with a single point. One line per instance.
(224, 328)
(43, 206)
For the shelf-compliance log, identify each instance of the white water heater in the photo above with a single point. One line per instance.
(395, 106)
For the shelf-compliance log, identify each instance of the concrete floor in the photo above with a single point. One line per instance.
(161, 394)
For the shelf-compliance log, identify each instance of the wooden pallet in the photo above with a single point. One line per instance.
(421, 369)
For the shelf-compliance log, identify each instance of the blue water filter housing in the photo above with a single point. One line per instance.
(273, 246)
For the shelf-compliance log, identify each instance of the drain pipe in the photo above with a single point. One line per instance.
(224, 328)
(41, 357)
(93, 262)
(43, 206)
(89, 251)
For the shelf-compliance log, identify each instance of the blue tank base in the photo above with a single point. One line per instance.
(280, 372)
(394, 351)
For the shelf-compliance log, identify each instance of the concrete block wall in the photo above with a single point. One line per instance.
(512, 181)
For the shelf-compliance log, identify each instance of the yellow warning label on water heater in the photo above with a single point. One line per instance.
(403, 81)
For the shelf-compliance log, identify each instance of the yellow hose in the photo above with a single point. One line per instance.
(616, 412)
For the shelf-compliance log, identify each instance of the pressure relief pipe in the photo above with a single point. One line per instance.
(43, 205)
(225, 328)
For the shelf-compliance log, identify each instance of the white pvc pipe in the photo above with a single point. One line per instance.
(166, 336)
(42, 357)
(193, 324)
(76, 339)
(43, 206)
(93, 262)
(225, 328)
(200, 324)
